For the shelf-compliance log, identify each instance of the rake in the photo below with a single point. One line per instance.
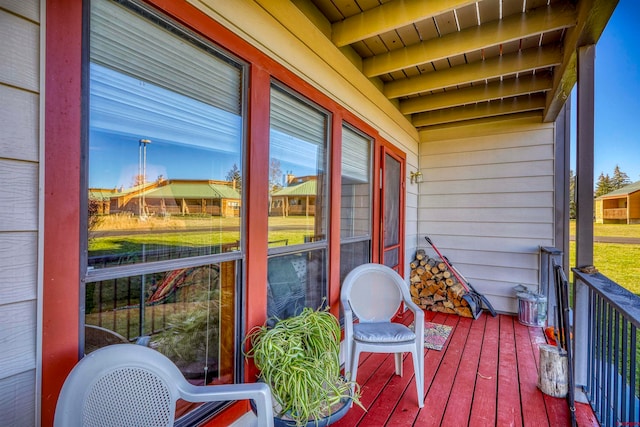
(472, 297)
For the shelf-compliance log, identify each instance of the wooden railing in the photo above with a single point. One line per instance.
(617, 213)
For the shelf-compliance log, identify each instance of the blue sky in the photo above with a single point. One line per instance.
(617, 95)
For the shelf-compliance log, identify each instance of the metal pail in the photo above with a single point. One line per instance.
(532, 309)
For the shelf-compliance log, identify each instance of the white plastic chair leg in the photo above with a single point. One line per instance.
(419, 377)
(398, 360)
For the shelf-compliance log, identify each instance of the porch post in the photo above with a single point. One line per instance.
(584, 205)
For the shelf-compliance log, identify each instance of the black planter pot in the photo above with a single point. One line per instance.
(346, 405)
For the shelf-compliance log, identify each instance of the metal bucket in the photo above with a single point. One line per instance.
(532, 309)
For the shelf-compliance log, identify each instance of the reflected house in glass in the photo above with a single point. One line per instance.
(174, 197)
(298, 198)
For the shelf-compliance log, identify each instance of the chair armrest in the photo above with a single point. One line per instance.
(258, 392)
(418, 317)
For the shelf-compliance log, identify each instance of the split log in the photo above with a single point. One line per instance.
(552, 375)
(435, 288)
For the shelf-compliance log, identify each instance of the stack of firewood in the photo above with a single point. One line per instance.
(435, 288)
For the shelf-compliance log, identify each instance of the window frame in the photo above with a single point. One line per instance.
(88, 275)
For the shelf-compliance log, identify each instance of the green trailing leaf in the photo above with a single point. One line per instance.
(299, 358)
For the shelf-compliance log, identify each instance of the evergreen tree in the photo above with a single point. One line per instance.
(234, 175)
(604, 185)
(572, 195)
(619, 179)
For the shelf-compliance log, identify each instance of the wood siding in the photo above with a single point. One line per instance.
(487, 202)
(19, 171)
(634, 208)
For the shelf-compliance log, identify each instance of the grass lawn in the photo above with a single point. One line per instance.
(619, 262)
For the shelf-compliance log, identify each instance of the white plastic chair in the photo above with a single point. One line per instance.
(374, 293)
(132, 385)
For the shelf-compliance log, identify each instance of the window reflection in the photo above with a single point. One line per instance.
(187, 314)
(298, 196)
(295, 281)
(165, 185)
(165, 143)
(297, 177)
(355, 206)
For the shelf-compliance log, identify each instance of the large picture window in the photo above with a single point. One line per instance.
(164, 193)
(298, 147)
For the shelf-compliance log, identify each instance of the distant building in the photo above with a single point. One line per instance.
(171, 197)
(297, 198)
(621, 206)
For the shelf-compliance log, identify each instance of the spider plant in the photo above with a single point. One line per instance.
(299, 358)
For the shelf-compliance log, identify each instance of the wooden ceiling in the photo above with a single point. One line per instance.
(447, 61)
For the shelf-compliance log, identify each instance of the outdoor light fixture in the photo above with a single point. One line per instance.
(415, 177)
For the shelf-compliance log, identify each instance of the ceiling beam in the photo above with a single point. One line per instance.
(516, 27)
(388, 16)
(486, 109)
(525, 60)
(480, 93)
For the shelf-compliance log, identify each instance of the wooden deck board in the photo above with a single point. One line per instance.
(532, 400)
(458, 408)
(485, 375)
(483, 406)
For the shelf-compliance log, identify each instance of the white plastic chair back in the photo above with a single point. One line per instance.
(373, 293)
(132, 385)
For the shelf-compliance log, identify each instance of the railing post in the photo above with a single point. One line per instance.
(548, 257)
(584, 205)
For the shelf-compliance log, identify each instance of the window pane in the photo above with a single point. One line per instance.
(186, 314)
(352, 255)
(296, 281)
(165, 171)
(391, 202)
(355, 209)
(165, 143)
(297, 171)
(355, 206)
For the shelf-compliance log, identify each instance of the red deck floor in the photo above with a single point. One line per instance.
(485, 375)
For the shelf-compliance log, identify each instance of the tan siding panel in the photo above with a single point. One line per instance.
(19, 52)
(17, 405)
(505, 170)
(497, 229)
(465, 257)
(489, 200)
(18, 266)
(490, 158)
(18, 338)
(488, 244)
(30, 9)
(19, 199)
(506, 215)
(480, 186)
(19, 124)
(497, 201)
(524, 138)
